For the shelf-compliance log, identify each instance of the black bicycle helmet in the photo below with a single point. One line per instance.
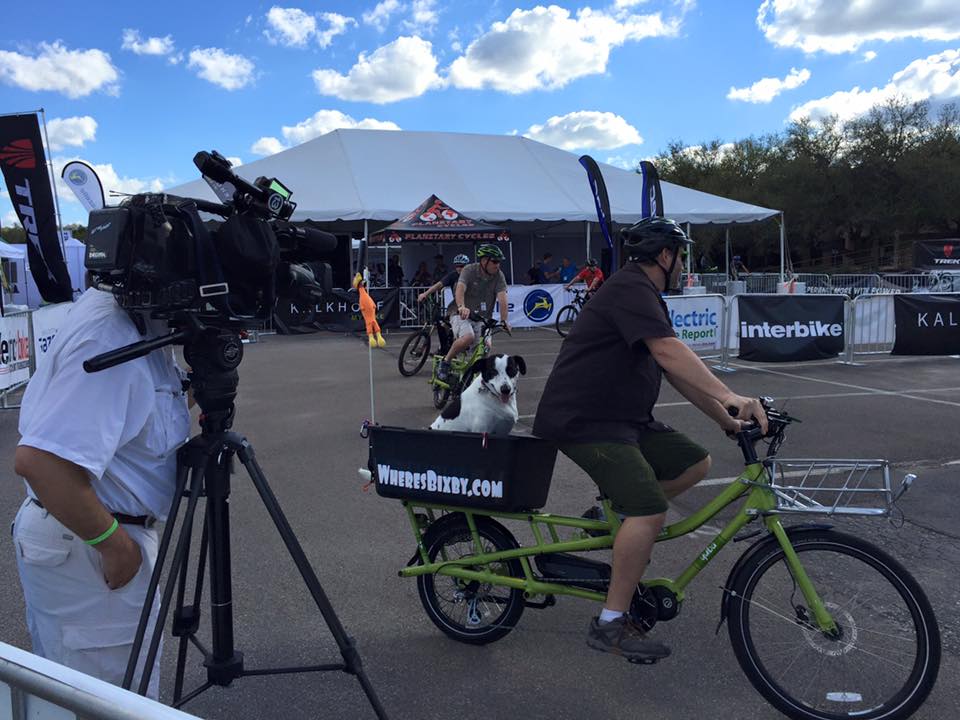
(644, 240)
(592, 262)
(489, 251)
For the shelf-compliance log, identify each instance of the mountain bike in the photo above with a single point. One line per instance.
(416, 348)
(457, 378)
(568, 313)
(823, 623)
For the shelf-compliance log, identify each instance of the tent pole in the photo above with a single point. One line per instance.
(689, 255)
(512, 280)
(588, 241)
(783, 242)
(726, 252)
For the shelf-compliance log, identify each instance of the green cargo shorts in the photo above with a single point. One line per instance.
(630, 475)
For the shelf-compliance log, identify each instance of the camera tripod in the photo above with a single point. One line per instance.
(203, 470)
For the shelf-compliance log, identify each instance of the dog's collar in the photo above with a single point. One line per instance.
(486, 388)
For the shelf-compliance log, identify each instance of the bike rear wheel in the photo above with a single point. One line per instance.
(467, 610)
(414, 353)
(565, 319)
(884, 659)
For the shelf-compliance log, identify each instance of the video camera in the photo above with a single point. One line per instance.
(156, 253)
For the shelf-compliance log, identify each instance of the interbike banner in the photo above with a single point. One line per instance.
(341, 311)
(783, 328)
(533, 305)
(927, 324)
(14, 350)
(46, 321)
(25, 170)
(937, 254)
(697, 320)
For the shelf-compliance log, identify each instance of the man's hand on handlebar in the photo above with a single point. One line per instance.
(743, 410)
(421, 297)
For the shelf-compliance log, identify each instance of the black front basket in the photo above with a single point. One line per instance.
(461, 469)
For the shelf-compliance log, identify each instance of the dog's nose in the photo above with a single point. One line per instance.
(505, 389)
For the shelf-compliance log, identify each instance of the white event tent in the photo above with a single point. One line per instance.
(350, 178)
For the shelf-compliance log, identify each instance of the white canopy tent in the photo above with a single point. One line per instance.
(380, 175)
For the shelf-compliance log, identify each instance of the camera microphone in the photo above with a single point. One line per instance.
(308, 241)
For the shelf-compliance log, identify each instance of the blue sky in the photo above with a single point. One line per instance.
(136, 89)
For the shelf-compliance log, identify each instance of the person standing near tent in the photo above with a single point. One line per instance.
(449, 280)
(481, 285)
(98, 452)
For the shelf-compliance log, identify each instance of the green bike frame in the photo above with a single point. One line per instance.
(459, 365)
(760, 503)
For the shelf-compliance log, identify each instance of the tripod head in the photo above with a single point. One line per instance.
(213, 354)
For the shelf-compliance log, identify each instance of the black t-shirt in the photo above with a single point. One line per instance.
(605, 382)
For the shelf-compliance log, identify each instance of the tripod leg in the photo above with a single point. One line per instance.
(348, 650)
(179, 557)
(186, 620)
(182, 472)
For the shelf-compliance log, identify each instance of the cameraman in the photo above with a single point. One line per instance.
(98, 453)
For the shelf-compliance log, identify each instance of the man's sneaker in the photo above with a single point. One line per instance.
(625, 638)
(443, 371)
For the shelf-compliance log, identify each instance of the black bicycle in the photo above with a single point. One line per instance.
(416, 348)
(568, 313)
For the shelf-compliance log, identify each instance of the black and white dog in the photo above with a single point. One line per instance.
(489, 403)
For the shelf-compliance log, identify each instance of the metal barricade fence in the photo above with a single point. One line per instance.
(761, 283)
(816, 283)
(412, 313)
(853, 284)
(895, 283)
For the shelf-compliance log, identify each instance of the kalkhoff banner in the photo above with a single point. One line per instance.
(790, 327)
(937, 254)
(25, 171)
(339, 311)
(926, 324)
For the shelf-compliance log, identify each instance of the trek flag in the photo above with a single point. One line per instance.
(600, 198)
(83, 181)
(24, 168)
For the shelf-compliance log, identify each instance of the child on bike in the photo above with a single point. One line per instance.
(597, 407)
(447, 281)
(480, 286)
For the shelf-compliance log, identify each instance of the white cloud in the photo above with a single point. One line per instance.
(267, 146)
(423, 17)
(379, 17)
(320, 123)
(623, 162)
(289, 26)
(74, 131)
(766, 89)
(336, 25)
(75, 73)
(10, 218)
(869, 55)
(936, 77)
(547, 48)
(402, 69)
(234, 161)
(835, 26)
(230, 72)
(585, 129)
(151, 46)
(323, 121)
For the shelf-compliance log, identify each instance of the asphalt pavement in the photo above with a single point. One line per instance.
(301, 404)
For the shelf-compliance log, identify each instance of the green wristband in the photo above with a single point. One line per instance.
(107, 533)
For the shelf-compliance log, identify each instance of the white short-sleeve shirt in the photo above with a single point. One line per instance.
(123, 424)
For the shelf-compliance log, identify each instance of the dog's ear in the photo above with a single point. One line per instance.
(476, 369)
(519, 363)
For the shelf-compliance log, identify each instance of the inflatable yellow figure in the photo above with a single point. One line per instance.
(368, 308)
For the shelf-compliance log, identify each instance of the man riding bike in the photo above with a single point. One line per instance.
(597, 407)
(449, 280)
(479, 286)
(591, 275)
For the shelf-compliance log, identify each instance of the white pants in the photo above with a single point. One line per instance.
(74, 618)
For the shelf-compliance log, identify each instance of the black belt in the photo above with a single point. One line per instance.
(142, 520)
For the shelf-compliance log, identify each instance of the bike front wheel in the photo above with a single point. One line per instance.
(881, 662)
(471, 611)
(414, 353)
(565, 319)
